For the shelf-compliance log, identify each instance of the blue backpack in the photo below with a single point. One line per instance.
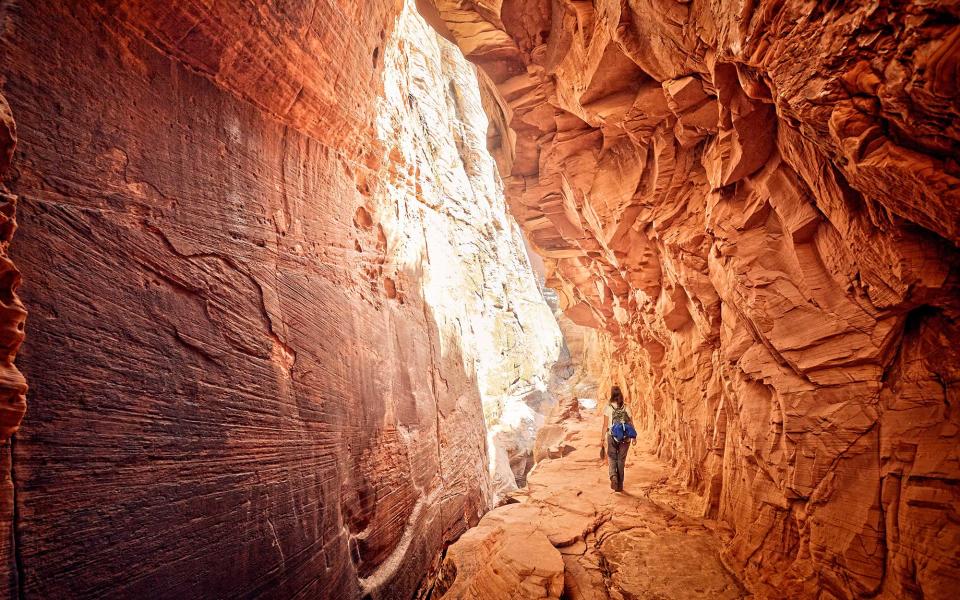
(621, 427)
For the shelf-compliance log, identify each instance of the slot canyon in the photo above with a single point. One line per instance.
(325, 298)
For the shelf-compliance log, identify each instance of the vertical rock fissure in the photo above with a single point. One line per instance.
(15, 532)
(434, 374)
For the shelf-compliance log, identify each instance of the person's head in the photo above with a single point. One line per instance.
(616, 396)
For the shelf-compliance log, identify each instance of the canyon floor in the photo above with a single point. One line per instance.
(568, 535)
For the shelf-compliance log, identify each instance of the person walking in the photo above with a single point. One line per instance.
(616, 452)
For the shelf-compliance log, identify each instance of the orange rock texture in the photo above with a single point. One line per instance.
(758, 203)
(249, 377)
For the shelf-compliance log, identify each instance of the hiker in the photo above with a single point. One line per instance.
(617, 435)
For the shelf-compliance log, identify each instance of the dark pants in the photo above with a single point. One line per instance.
(616, 461)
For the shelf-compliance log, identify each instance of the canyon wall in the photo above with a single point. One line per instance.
(13, 386)
(442, 206)
(758, 205)
(249, 376)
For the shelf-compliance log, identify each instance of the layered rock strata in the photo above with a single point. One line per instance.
(442, 207)
(248, 375)
(757, 204)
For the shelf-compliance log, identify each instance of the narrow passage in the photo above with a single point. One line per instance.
(567, 535)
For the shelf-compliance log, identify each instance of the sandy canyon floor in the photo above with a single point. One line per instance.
(569, 535)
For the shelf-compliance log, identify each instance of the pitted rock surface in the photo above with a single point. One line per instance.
(758, 205)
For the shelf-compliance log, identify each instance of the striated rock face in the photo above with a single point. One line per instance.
(240, 229)
(757, 204)
(444, 220)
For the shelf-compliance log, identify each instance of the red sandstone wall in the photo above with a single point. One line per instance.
(222, 403)
(12, 384)
(12, 313)
(757, 202)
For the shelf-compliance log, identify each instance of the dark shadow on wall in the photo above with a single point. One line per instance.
(220, 404)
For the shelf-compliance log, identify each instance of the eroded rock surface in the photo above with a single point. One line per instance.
(442, 205)
(13, 386)
(757, 203)
(241, 229)
(568, 535)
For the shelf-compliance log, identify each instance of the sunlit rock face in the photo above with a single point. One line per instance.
(757, 204)
(445, 220)
(582, 359)
(253, 369)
